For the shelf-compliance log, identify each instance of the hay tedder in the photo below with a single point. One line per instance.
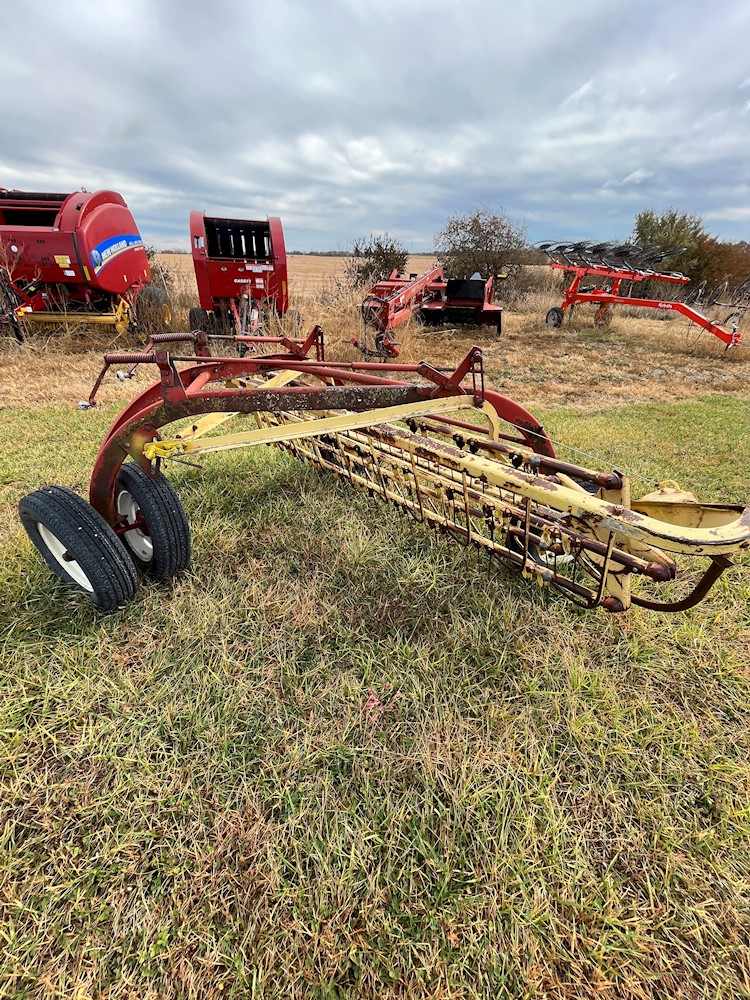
(241, 272)
(75, 257)
(430, 296)
(613, 265)
(439, 444)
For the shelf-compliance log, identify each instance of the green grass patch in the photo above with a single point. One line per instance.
(197, 801)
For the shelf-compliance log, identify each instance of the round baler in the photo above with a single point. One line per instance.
(74, 257)
(241, 273)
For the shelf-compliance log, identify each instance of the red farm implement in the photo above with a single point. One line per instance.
(75, 257)
(609, 267)
(439, 444)
(391, 302)
(241, 271)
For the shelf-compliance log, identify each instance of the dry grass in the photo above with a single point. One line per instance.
(640, 357)
(197, 801)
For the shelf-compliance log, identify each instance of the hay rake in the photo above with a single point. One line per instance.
(612, 265)
(439, 444)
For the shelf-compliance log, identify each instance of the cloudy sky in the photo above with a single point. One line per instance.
(347, 117)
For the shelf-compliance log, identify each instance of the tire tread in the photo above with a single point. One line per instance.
(70, 518)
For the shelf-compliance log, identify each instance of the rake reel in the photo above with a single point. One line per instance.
(440, 445)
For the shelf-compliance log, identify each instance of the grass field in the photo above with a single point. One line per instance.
(341, 758)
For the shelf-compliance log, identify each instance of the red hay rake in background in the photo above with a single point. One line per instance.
(611, 265)
(439, 444)
(431, 297)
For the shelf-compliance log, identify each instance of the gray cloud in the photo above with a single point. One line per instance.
(351, 116)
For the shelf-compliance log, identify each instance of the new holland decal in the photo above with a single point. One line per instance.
(107, 250)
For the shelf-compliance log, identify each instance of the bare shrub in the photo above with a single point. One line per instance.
(373, 259)
(484, 240)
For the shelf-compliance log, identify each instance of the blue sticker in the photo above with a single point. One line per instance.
(107, 250)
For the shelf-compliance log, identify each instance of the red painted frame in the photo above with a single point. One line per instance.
(223, 280)
(191, 391)
(71, 256)
(603, 298)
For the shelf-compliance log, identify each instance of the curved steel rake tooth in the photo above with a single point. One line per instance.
(695, 294)
(622, 253)
(549, 248)
(587, 255)
(605, 252)
(567, 252)
(574, 252)
(666, 254)
(648, 248)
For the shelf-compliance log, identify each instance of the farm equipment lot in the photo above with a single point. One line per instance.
(340, 758)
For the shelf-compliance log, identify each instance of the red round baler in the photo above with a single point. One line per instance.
(241, 273)
(69, 257)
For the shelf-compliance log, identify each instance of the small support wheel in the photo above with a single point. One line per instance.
(554, 317)
(159, 541)
(79, 546)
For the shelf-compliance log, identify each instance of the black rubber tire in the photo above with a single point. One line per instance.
(153, 310)
(83, 540)
(164, 550)
(554, 317)
(198, 319)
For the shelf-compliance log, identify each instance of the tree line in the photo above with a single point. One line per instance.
(489, 242)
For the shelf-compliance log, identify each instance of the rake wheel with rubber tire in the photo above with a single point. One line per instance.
(159, 541)
(717, 293)
(79, 546)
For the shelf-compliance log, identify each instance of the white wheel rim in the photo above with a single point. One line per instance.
(61, 555)
(137, 540)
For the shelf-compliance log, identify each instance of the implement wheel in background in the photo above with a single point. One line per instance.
(695, 294)
(159, 541)
(79, 546)
(153, 310)
(199, 319)
(554, 317)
